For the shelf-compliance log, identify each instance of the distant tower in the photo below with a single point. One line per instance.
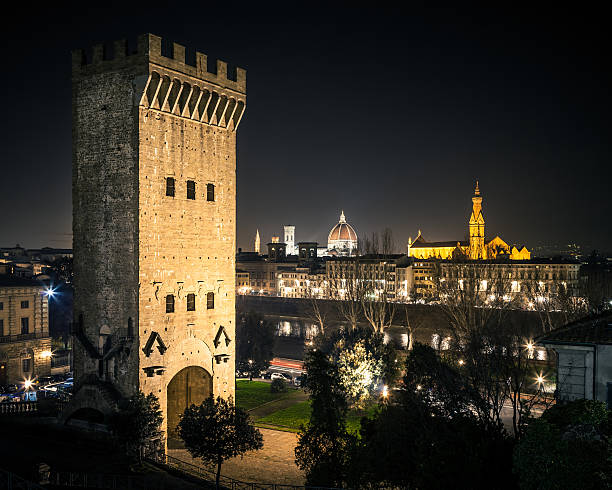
(477, 227)
(257, 242)
(290, 239)
(154, 213)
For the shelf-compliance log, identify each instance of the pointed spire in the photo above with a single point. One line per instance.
(342, 217)
(477, 190)
(257, 242)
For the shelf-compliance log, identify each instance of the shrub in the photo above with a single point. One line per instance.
(278, 386)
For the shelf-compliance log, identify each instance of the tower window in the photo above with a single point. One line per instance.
(25, 326)
(170, 186)
(210, 301)
(191, 302)
(25, 304)
(210, 192)
(25, 365)
(190, 189)
(170, 303)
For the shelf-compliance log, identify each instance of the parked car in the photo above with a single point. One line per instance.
(283, 376)
(266, 375)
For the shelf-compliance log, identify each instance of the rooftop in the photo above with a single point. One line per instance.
(7, 280)
(592, 330)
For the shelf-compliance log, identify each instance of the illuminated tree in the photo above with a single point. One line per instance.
(360, 373)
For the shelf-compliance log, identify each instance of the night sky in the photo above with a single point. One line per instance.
(388, 114)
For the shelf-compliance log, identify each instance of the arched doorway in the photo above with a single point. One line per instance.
(191, 385)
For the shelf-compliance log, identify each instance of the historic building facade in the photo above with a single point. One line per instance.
(154, 203)
(476, 248)
(25, 344)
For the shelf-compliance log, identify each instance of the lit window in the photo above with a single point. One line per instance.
(191, 302)
(210, 192)
(170, 186)
(191, 194)
(170, 303)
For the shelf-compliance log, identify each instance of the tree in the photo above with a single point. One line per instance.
(364, 362)
(323, 444)
(491, 351)
(567, 447)
(255, 342)
(137, 423)
(216, 431)
(429, 435)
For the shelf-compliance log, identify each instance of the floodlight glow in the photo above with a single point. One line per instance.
(46, 354)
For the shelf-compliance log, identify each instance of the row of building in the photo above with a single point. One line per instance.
(426, 271)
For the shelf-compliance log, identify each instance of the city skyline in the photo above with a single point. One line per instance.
(388, 115)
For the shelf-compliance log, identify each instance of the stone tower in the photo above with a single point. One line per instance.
(154, 206)
(257, 242)
(477, 227)
(289, 231)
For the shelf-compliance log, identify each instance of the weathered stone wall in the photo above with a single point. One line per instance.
(105, 213)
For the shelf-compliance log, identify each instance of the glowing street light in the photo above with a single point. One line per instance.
(385, 391)
(49, 292)
(540, 379)
(461, 362)
(27, 384)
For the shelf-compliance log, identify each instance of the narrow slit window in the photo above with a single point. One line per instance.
(210, 301)
(210, 192)
(191, 189)
(191, 302)
(170, 303)
(170, 186)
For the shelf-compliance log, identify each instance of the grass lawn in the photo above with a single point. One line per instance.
(292, 417)
(251, 394)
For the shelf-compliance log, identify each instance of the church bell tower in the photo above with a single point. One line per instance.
(477, 226)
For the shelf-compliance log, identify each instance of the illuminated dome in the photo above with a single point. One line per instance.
(342, 238)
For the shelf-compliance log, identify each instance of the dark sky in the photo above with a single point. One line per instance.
(388, 114)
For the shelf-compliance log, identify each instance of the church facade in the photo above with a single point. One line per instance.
(476, 248)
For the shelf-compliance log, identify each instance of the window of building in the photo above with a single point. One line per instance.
(25, 325)
(2, 327)
(191, 302)
(210, 301)
(210, 192)
(190, 189)
(170, 303)
(1, 305)
(25, 304)
(170, 186)
(26, 365)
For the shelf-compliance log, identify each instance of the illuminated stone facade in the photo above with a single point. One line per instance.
(25, 344)
(476, 248)
(154, 200)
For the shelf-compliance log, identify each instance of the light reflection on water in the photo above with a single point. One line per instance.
(296, 328)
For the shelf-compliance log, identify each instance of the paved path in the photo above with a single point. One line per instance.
(275, 463)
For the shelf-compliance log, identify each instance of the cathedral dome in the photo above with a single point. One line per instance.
(342, 237)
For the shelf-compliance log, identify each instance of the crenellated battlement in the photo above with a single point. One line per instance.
(149, 51)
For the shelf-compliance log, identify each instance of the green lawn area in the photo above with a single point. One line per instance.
(292, 417)
(251, 394)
